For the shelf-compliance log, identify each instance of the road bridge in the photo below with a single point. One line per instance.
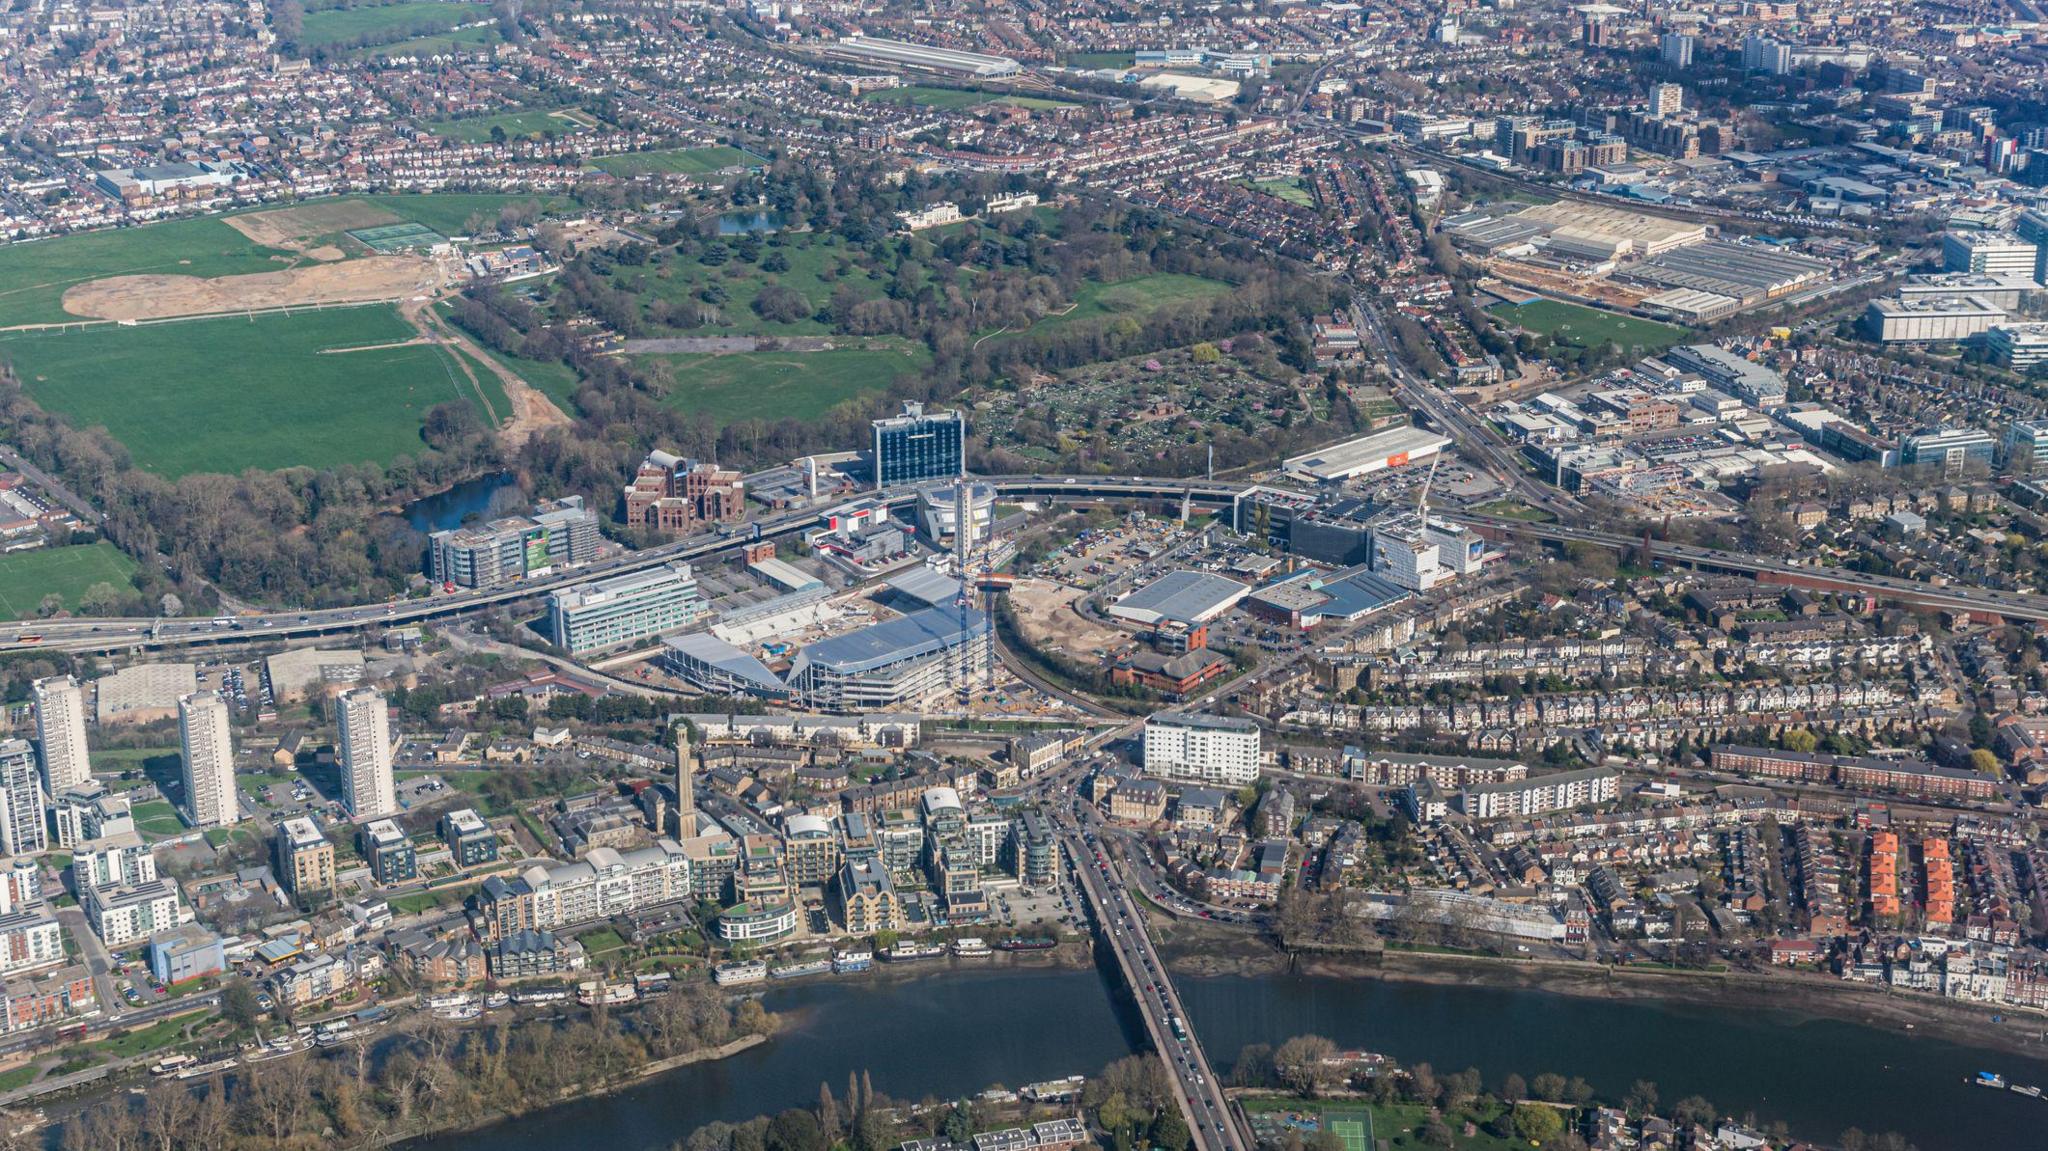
(1121, 926)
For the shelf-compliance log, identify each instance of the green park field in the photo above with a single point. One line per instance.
(1589, 327)
(682, 161)
(26, 577)
(34, 276)
(304, 389)
(783, 385)
(340, 26)
(923, 96)
(1139, 296)
(819, 264)
(532, 122)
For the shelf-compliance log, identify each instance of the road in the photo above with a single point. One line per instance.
(1196, 1089)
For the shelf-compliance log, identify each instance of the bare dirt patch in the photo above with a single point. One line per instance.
(326, 252)
(289, 228)
(162, 297)
(1046, 617)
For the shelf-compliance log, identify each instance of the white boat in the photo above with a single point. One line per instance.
(903, 951)
(971, 948)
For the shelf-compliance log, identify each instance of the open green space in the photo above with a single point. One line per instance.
(686, 161)
(1514, 510)
(1285, 188)
(820, 264)
(603, 940)
(1589, 327)
(18, 1077)
(142, 1040)
(531, 122)
(303, 389)
(923, 96)
(419, 901)
(1394, 1126)
(338, 27)
(1101, 59)
(26, 577)
(448, 212)
(783, 385)
(1140, 296)
(157, 819)
(34, 276)
(439, 44)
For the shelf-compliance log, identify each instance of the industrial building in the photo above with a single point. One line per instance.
(1927, 319)
(1754, 384)
(898, 664)
(902, 54)
(559, 533)
(917, 446)
(143, 693)
(1748, 273)
(1202, 748)
(624, 609)
(1314, 597)
(2000, 291)
(1615, 230)
(1186, 598)
(1367, 454)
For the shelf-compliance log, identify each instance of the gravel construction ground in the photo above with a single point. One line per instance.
(158, 297)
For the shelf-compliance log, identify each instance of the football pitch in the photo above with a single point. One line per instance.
(1354, 1127)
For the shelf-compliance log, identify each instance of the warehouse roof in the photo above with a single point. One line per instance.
(905, 637)
(1183, 597)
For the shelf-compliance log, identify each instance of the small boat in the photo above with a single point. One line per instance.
(2030, 1092)
(1989, 1079)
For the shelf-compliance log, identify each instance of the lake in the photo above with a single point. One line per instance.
(479, 498)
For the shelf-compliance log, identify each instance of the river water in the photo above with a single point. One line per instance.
(478, 498)
(951, 1033)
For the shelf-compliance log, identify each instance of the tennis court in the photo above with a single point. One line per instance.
(397, 237)
(1354, 1127)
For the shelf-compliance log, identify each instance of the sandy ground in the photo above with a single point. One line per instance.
(161, 297)
(287, 228)
(532, 411)
(1045, 614)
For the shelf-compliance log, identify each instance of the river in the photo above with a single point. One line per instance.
(952, 1033)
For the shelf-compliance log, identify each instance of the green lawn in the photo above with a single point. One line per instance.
(1286, 188)
(221, 395)
(783, 385)
(687, 161)
(1589, 327)
(33, 276)
(26, 577)
(18, 1077)
(1140, 296)
(440, 43)
(151, 1038)
(919, 95)
(338, 26)
(819, 265)
(532, 122)
(419, 901)
(602, 940)
(448, 212)
(157, 819)
(1514, 510)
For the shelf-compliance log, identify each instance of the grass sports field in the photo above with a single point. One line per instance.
(686, 161)
(26, 577)
(1142, 295)
(1101, 59)
(1286, 188)
(922, 96)
(448, 212)
(1589, 328)
(783, 385)
(335, 26)
(533, 122)
(276, 391)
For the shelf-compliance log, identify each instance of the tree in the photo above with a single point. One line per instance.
(1548, 1086)
(238, 1002)
(1984, 762)
(1302, 1063)
(1514, 1089)
(50, 605)
(1538, 1123)
(101, 598)
(1642, 1098)
(796, 1130)
(1170, 1131)
(1694, 1110)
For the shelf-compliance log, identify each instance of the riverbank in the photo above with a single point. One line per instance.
(1206, 951)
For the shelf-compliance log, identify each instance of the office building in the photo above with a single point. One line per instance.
(558, 534)
(1951, 449)
(1202, 748)
(122, 915)
(678, 496)
(368, 790)
(1930, 319)
(1538, 794)
(1676, 49)
(918, 446)
(2020, 347)
(896, 665)
(2025, 446)
(1405, 554)
(389, 853)
(2032, 226)
(1988, 253)
(304, 858)
(471, 842)
(22, 830)
(621, 610)
(206, 755)
(60, 732)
